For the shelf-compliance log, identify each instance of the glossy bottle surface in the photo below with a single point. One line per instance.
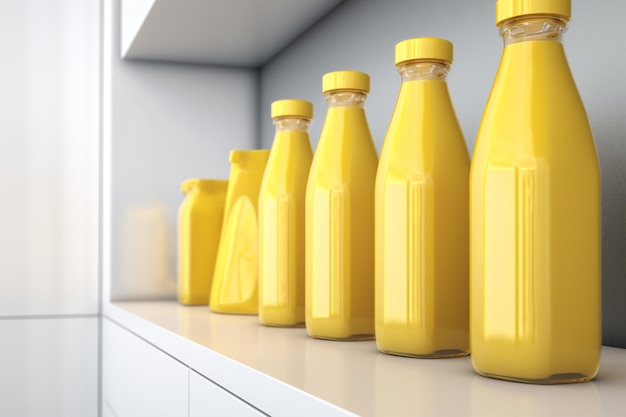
(281, 217)
(422, 265)
(199, 226)
(535, 217)
(235, 282)
(340, 216)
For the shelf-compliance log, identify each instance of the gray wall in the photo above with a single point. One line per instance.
(163, 123)
(361, 35)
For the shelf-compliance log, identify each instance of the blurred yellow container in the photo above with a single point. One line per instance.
(235, 282)
(199, 226)
(281, 216)
(340, 216)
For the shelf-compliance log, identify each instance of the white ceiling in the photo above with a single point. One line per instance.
(220, 32)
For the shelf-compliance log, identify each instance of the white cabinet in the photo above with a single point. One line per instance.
(207, 399)
(253, 369)
(139, 379)
(49, 157)
(49, 207)
(49, 367)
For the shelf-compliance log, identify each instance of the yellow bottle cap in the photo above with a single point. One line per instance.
(291, 107)
(346, 80)
(434, 49)
(506, 9)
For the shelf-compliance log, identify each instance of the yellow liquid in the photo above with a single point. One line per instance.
(199, 228)
(340, 229)
(535, 225)
(236, 280)
(281, 230)
(422, 265)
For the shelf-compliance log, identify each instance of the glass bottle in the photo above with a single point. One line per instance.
(236, 280)
(281, 216)
(199, 226)
(340, 216)
(422, 199)
(535, 211)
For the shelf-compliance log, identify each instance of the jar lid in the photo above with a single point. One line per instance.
(346, 80)
(506, 9)
(292, 107)
(424, 48)
(203, 185)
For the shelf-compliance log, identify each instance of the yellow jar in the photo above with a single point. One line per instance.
(422, 265)
(281, 216)
(340, 216)
(535, 211)
(199, 226)
(235, 282)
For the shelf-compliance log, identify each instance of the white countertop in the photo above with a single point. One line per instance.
(285, 372)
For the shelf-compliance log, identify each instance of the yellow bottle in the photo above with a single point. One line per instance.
(422, 265)
(340, 216)
(199, 226)
(281, 216)
(235, 282)
(535, 211)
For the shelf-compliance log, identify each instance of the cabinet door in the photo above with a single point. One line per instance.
(207, 399)
(49, 367)
(49, 157)
(138, 379)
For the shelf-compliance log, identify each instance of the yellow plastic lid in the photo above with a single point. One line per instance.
(346, 80)
(202, 184)
(506, 9)
(292, 107)
(424, 48)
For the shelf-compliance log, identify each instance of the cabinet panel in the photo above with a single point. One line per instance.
(49, 367)
(207, 399)
(139, 379)
(49, 157)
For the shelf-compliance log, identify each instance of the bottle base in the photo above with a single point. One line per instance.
(284, 326)
(566, 378)
(351, 338)
(231, 311)
(439, 354)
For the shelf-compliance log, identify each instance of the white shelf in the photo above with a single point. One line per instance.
(234, 32)
(285, 372)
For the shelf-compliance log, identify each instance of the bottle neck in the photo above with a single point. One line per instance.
(424, 70)
(532, 28)
(346, 98)
(292, 124)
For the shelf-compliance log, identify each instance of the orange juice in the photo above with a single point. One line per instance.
(422, 265)
(281, 216)
(535, 212)
(340, 216)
